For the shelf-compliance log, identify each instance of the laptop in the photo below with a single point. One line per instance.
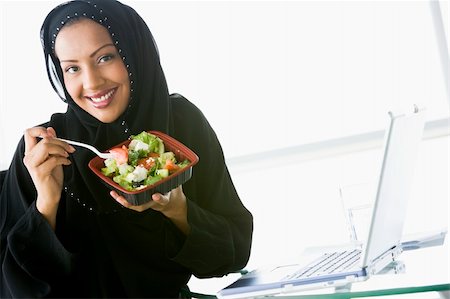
(383, 244)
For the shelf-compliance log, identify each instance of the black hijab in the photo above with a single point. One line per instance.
(149, 106)
(100, 249)
(119, 233)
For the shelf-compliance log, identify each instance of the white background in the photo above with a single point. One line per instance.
(268, 74)
(271, 75)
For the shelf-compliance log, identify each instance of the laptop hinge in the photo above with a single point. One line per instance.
(384, 260)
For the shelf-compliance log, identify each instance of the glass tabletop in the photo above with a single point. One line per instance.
(415, 271)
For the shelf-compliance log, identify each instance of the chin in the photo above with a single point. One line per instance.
(106, 118)
(107, 115)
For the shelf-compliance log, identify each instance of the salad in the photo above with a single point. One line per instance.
(144, 162)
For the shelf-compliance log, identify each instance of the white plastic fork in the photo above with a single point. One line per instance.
(90, 147)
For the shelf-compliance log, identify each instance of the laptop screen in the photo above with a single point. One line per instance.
(401, 146)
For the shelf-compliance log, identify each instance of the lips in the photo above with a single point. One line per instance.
(103, 99)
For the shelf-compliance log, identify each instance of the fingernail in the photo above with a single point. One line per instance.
(50, 132)
(72, 149)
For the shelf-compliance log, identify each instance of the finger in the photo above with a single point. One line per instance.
(160, 199)
(30, 137)
(51, 131)
(55, 147)
(67, 147)
(49, 165)
(42, 151)
(120, 199)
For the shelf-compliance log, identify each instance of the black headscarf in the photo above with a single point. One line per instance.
(123, 233)
(99, 249)
(149, 106)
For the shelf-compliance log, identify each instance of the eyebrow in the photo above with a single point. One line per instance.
(91, 55)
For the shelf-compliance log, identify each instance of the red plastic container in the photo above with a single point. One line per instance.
(164, 185)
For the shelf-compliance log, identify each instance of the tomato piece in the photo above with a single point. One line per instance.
(153, 155)
(147, 163)
(120, 154)
(171, 166)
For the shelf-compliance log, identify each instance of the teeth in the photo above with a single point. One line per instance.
(103, 98)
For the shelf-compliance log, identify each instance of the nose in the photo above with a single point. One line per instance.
(92, 78)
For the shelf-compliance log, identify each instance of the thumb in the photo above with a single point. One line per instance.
(51, 131)
(160, 199)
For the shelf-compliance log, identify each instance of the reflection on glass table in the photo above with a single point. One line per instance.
(420, 269)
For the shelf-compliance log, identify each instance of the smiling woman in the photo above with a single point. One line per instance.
(298, 92)
(63, 233)
(95, 76)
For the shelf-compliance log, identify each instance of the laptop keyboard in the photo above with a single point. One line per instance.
(329, 263)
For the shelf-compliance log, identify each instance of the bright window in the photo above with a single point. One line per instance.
(267, 74)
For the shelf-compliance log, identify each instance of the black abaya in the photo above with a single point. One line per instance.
(99, 248)
(125, 253)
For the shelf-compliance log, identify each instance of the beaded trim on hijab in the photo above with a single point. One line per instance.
(102, 20)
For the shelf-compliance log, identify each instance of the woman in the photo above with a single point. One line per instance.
(62, 232)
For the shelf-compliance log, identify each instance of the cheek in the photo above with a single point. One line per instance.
(72, 87)
(124, 79)
(122, 75)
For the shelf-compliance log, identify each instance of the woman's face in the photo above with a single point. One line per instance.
(94, 74)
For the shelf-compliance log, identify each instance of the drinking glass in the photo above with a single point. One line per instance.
(357, 202)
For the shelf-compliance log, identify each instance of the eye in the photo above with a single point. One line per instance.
(106, 58)
(72, 69)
